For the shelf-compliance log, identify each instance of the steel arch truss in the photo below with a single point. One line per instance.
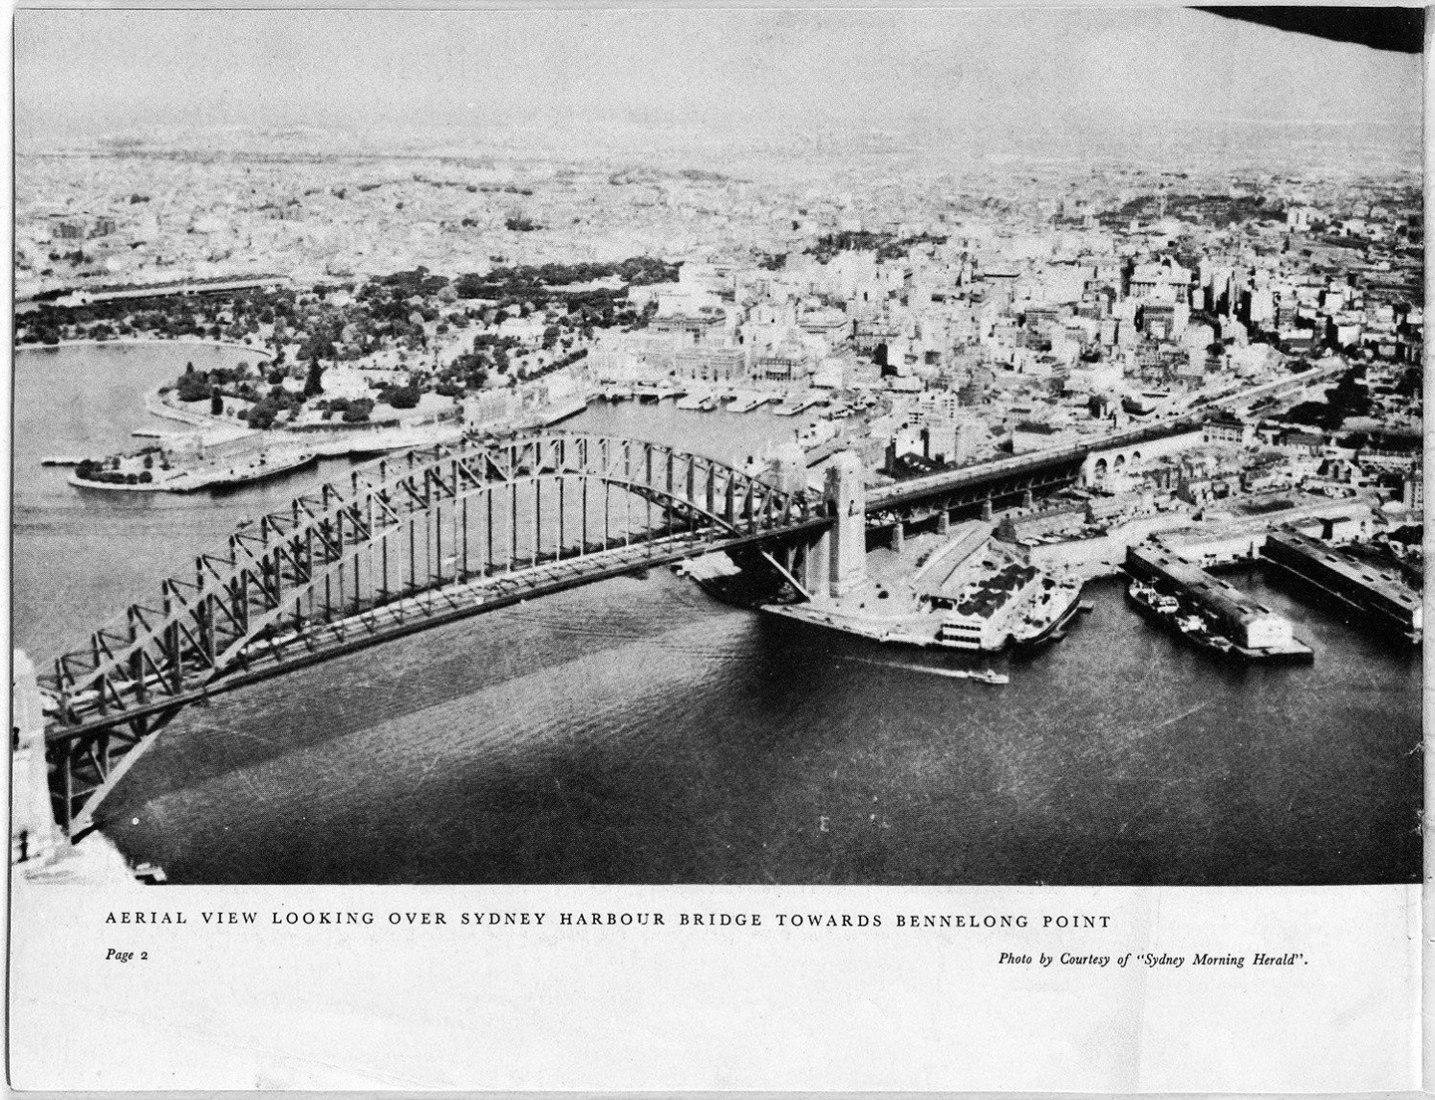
(412, 539)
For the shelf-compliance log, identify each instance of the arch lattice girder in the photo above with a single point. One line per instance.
(201, 626)
(297, 592)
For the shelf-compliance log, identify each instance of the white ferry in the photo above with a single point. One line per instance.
(1055, 604)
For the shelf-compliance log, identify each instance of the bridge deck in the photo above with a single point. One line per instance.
(412, 543)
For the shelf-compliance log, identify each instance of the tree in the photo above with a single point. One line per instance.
(216, 402)
(313, 382)
(356, 412)
(400, 397)
(193, 386)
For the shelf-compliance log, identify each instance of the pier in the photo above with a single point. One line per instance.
(1375, 595)
(1221, 611)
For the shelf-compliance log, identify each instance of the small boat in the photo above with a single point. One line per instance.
(989, 676)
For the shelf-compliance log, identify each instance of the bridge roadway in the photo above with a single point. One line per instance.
(1013, 470)
(291, 596)
(272, 653)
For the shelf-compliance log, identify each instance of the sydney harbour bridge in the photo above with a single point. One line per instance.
(438, 534)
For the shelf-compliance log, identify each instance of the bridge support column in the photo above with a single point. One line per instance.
(944, 522)
(1026, 500)
(899, 536)
(847, 498)
(34, 836)
(987, 509)
(813, 561)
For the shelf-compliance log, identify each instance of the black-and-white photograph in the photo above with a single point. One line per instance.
(718, 446)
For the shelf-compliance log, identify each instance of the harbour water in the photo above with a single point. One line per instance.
(636, 731)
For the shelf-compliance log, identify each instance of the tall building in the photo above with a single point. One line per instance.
(711, 364)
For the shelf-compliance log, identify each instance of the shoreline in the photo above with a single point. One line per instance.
(132, 341)
(192, 481)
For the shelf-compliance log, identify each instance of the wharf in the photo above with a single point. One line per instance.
(653, 395)
(555, 413)
(795, 406)
(747, 402)
(1208, 611)
(1372, 593)
(919, 630)
(957, 591)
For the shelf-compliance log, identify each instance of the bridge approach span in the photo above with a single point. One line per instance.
(1033, 472)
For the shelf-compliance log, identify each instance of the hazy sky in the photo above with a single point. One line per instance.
(80, 73)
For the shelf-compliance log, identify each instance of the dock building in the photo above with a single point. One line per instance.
(1361, 585)
(981, 611)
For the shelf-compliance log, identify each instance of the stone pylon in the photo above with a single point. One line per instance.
(846, 495)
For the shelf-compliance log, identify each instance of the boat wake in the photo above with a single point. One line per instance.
(985, 675)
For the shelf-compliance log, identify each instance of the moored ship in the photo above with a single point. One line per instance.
(1166, 611)
(1169, 613)
(1046, 617)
